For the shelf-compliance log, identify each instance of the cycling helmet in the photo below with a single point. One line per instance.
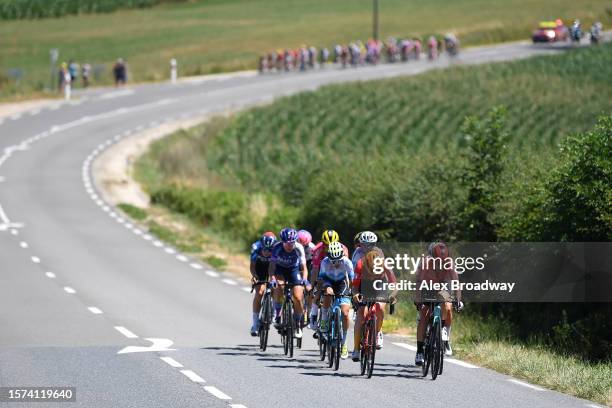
(335, 251)
(329, 236)
(356, 238)
(304, 237)
(269, 234)
(438, 249)
(368, 237)
(288, 235)
(267, 241)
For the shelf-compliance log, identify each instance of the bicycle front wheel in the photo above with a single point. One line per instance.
(338, 338)
(436, 350)
(372, 347)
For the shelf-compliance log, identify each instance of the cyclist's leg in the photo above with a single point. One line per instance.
(327, 300)
(380, 316)
(359, 320)
(277, 294)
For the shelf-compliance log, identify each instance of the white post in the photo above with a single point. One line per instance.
(173, 70)
(67, 85)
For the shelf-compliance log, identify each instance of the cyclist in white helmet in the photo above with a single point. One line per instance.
(335, 276)
(365, 241)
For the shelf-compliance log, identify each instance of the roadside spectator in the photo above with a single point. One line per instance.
(73, 68)
(120, 72)
(85, 74)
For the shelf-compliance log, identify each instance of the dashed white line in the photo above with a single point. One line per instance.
(172, 362)
(182, 258)
(524, 384)
(195, 265)
(126, 332)
(459, 362)
(14, 232)
(94, 310)
(147, 237)
(217, 392)
(50, 275)
(35, 259)
(229, 281)
(406, 346)
(23, 244)
(192, 376)
(137, 231)
(158, 243)
(69, 290)
(213, 274)
(170, 250)
(246, 289)
(237, 406)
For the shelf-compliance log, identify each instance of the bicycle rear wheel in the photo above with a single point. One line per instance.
(338, 338)
(322, 346)
(363, 361)
(264, 322)
(290, 328)
(372, 347)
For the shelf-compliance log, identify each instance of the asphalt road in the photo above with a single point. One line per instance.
(82, 291)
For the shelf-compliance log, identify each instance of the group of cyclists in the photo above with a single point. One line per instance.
(327, 268)
(357, 53)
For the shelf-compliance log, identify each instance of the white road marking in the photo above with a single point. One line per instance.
(50, 275)
(172, 362)
(117, 94)
(35, 259)
(237, 406)
(406, 346)
(94, 310)
(195, 265)
(192, 376)
(14, 232)
(34, 112)
(126, 332)
(524, 384)
(129, 226)
(217, 392)
(23, 244)
(147, 237)
(3, 216)
(158, 243)
(459, 362)
(69, 290)
(156, 345)
(449, 360)
(229, 281)
(246, 289)
(182, 258)
(213, 274)
(137, 231)
(120, 220)
(170, 250)
(594, 406)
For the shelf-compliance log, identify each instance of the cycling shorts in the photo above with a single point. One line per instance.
(338, 288)
(291, 276)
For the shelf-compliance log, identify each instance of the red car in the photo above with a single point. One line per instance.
(550, 31)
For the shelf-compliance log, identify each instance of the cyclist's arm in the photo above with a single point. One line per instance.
(252, 268)
(303, 268)
(455, 276)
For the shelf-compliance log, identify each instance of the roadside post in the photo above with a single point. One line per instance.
(173, 70)
(53, 57)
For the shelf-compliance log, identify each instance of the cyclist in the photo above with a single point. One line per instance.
(364, 239)
(365, 264)
(335, 278)
(435, 272)
(319, 252)
(260, 263)
(305, 239)
(288, 265)
(257, 243)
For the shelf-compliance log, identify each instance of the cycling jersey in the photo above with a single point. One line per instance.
(356, 255)
(288, 263)
(360, 268)
(262, 262)
(320, 252)
(334, 273)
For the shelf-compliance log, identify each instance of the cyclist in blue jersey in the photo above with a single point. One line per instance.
(257, 243)
(335, 277)
(288, 265)
(260, 264)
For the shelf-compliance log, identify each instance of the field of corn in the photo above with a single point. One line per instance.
(546, 98)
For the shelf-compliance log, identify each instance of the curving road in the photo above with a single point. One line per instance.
(90, 301)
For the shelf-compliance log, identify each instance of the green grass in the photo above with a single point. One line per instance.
(216, 262)
(136, 213)
(222, 35)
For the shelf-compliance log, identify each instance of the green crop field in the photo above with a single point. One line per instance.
(222, 35)
(547, 98)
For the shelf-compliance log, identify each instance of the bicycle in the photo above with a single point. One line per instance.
(266, 314)
(333, 337)
(287, 325)
(369, 333)
(319, 334)
(433, 347)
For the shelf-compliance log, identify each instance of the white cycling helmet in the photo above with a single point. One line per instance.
(368, 237)
(335, 251)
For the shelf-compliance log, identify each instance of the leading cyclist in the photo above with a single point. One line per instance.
(260, 264)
